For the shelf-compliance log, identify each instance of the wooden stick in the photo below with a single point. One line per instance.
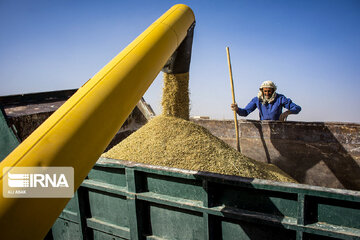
(233, 98)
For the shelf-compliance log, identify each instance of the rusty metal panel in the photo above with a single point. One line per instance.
(315, 153)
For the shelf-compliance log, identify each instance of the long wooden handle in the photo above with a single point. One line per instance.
(233, 98)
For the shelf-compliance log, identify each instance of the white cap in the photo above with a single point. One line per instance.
(268, 84)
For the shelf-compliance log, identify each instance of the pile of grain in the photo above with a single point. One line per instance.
(175, 98)
(174, 142)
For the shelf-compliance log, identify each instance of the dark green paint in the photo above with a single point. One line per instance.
(8, 140)
(125, 201)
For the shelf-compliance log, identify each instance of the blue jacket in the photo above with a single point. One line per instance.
(269, 111)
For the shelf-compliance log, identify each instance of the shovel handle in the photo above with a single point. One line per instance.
(233, 99)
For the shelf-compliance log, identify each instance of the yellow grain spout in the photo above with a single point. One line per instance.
(78, 132)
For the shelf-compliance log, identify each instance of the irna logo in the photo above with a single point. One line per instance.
(37, 180)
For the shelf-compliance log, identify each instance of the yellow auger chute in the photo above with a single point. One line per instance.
(78, 132)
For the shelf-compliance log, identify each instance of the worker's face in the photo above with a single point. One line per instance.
(268, 92)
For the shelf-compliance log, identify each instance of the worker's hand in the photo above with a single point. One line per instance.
(284, 116)
(234, 107)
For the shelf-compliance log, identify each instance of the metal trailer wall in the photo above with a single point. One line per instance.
(25, 112)
(123, 200)
(317, 153)
(8, 140)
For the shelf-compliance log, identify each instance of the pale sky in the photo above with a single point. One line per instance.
(309, 48)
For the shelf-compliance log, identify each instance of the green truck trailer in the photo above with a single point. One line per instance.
(126, 200)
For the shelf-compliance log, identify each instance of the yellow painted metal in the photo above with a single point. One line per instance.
(78, 132)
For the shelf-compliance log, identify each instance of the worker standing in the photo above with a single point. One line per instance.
(269, 103)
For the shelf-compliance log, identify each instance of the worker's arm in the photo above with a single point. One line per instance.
(288, 104)
(247, 110)
(292, 108)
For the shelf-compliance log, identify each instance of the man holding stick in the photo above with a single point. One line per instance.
(269, 103)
